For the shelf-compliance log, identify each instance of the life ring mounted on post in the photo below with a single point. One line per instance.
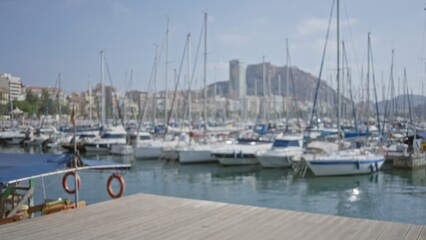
(65, 184)
(122, 185)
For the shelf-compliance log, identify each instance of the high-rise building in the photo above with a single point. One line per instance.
(237, 79)
(13, 86)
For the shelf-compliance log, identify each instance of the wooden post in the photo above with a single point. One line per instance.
(31, 198)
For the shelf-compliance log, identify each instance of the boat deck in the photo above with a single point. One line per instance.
(144, 216)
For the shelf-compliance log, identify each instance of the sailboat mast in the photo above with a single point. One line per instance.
(263, 89)
(103, 113)
(154, 97)
(392, 88)
(205, 75)
(287, 91)
(188, 39)
(280, 109)
(166, 102)
(338, 75)
(59, 99)
(11, 107)
(90, 101)
(368, 82)
(125, 100)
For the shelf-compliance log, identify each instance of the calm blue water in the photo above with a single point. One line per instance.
(391, 195)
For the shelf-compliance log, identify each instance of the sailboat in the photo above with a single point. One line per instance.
(343, 162)
(199, 153)
(285, 146)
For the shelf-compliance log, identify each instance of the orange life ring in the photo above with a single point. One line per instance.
(65, 184)
(122, 185)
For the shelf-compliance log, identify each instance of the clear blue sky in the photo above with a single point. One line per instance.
(40, 38)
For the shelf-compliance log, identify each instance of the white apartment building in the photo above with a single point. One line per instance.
(13, 85)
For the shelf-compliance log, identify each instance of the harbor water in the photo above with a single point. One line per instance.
(390, 195)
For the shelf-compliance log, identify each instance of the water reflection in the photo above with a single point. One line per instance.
(235, 172)
(416, 177)
(354, 194)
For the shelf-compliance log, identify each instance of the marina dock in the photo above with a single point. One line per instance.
(144, 216)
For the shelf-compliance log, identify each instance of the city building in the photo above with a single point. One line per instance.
(55, 94)
(237, 79)
(13, 86)
(4, 96)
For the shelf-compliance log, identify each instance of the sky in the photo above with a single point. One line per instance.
(42, 38)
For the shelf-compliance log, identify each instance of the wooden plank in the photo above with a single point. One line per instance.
(400, 232)
(367, 229)
(324, 224)
(27, 195)
(422, 234)
(238, 225)
(339, 231)
(14, 218)
(301, 223)
(214, 229)
(187, 224)
(413, 233)
(144, 216)
(388, 231)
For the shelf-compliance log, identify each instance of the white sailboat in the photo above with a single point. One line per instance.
(280, 155)
(199, 153)
(343, 162)
(240, 154)
(134, 139)
(111, 136)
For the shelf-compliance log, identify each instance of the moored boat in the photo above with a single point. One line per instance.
(344, 162)
(284, 148)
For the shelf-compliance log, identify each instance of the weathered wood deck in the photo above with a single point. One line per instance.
(144, 216)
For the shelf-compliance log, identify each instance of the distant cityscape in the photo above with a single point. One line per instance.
(225, 99)
(257, 91)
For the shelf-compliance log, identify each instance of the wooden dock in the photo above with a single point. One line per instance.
(144, 216)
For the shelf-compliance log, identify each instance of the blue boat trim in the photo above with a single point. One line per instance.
(345, 162)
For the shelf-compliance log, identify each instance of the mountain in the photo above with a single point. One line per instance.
(304, 89)
(304, 85)
(400, 104)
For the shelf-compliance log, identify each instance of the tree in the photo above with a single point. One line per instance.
(47, 106)
(32, 98)
(25, 106)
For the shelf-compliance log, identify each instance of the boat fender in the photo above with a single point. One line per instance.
(120, 179)
(377, 166)
(371, 168)
(357, 164)
(235, 154)
(65, 184)
(241, 154)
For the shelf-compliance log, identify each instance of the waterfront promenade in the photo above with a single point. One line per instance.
(143, 216)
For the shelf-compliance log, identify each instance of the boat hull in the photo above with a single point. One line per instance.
(121, 149)
(148, 152)
(345, 167)
(196, 156)
(15, 140)
(170, 154)
(274, 161)
(97, 147)
(248, 159)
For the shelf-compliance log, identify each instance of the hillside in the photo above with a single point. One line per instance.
(304, 85)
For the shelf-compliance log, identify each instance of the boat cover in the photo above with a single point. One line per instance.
(15, 167)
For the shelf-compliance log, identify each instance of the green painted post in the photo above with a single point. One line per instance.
(31, 199)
